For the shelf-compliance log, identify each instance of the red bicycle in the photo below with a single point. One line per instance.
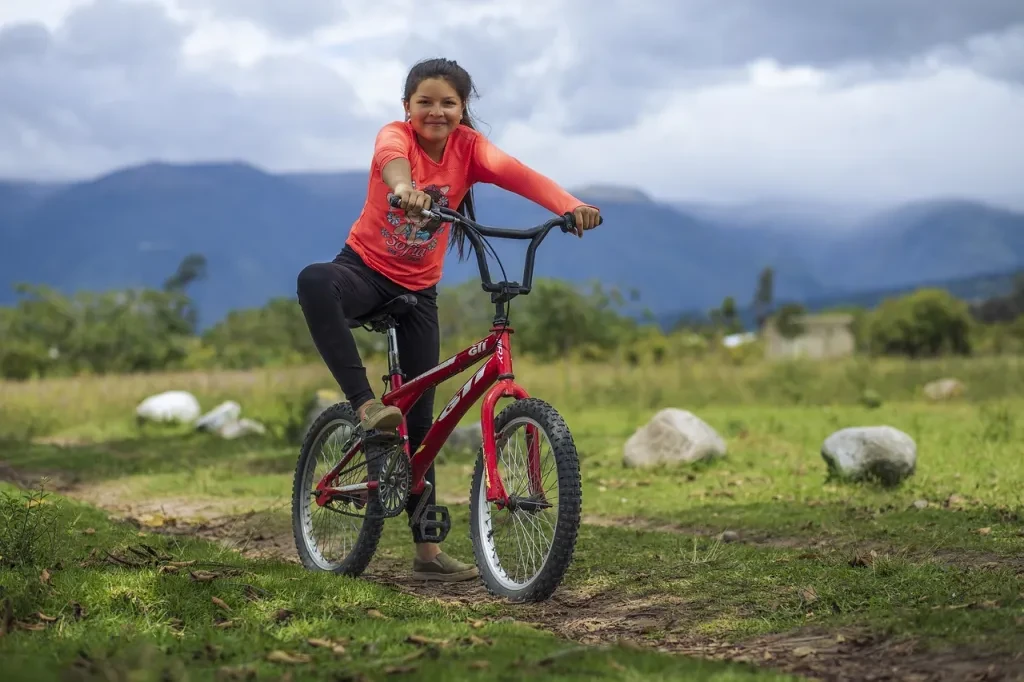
(346, 477)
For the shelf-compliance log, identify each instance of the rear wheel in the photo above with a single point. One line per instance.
(524, 550)
(342, 535)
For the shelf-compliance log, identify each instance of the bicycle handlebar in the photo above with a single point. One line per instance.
(474, 230)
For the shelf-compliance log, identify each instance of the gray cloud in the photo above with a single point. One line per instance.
(111, 86)
(23, 41)
(703, 33)
(121, 33)
(103, 95)
(285, 18)
(671, 45)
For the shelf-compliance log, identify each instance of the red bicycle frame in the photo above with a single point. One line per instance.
(494, 380)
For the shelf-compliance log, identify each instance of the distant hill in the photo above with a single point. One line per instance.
(972, 289)
(257, 230)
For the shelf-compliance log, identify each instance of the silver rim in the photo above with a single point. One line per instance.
(328, 535)
(517, 543)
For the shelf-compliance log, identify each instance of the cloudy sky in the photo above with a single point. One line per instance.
(714, 100)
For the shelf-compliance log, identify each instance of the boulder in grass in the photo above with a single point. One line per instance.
(225, 413)
(240, 427)
(880, 453)
(943, 389)
(169, 407)
(673, 436)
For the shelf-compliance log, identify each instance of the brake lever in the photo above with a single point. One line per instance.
(396, 202)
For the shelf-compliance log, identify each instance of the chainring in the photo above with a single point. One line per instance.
(394, 482)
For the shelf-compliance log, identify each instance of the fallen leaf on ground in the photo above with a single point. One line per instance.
(283, 615)
(44, 577)
(221, 603)
(476, 624)
(426, 641)
(240, 672)
(89, 531)
(374, 613)
(253, 593)
(400, 669)
(203, 576)
(984, 531)
(482, 665)
(35, 627)
(809, 595)
(336, 647)
(863, 560)
(46, 619)
(278, 656)
(802, 651)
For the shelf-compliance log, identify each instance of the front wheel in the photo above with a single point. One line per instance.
(524, 550)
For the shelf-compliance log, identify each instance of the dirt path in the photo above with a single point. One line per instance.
(658, 622)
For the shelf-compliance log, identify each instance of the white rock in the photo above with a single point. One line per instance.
(881, 452)
(943, 389)
(169, 406)
(226, 412)
(673, 436)
(242, 427)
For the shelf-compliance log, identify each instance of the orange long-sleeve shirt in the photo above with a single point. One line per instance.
(397, 245)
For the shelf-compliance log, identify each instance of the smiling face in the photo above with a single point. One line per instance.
(434, 110)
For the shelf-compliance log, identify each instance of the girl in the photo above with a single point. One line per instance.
(434, 156)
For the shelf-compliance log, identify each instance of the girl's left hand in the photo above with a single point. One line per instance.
(586, 218)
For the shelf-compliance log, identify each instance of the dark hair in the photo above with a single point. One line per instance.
(457, 77)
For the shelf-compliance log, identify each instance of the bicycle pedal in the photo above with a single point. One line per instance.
(376, 437)
(436, 529)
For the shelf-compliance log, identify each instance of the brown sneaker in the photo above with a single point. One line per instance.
(443, 568)
(376, 415)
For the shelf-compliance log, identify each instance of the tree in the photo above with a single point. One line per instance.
(1002, 308)
(764, 295)
(925, 323)
(788, 321)
(191, 268)
(48, 333)
(726, 317)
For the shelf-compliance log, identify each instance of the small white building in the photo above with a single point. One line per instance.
(822, 336)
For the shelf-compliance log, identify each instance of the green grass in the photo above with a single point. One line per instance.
(101, 407)
(99, 619)
(808, 553)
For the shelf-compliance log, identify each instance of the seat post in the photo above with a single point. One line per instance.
(393, 367)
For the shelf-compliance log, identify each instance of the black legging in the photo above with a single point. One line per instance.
(347, 288)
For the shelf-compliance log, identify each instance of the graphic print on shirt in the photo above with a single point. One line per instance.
(412, 237)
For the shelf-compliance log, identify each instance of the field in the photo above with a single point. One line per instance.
(752, 567)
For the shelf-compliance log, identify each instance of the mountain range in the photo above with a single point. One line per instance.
(257, 230)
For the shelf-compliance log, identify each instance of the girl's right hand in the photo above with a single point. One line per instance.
(412, 200)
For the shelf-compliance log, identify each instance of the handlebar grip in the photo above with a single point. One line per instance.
(570, 222)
